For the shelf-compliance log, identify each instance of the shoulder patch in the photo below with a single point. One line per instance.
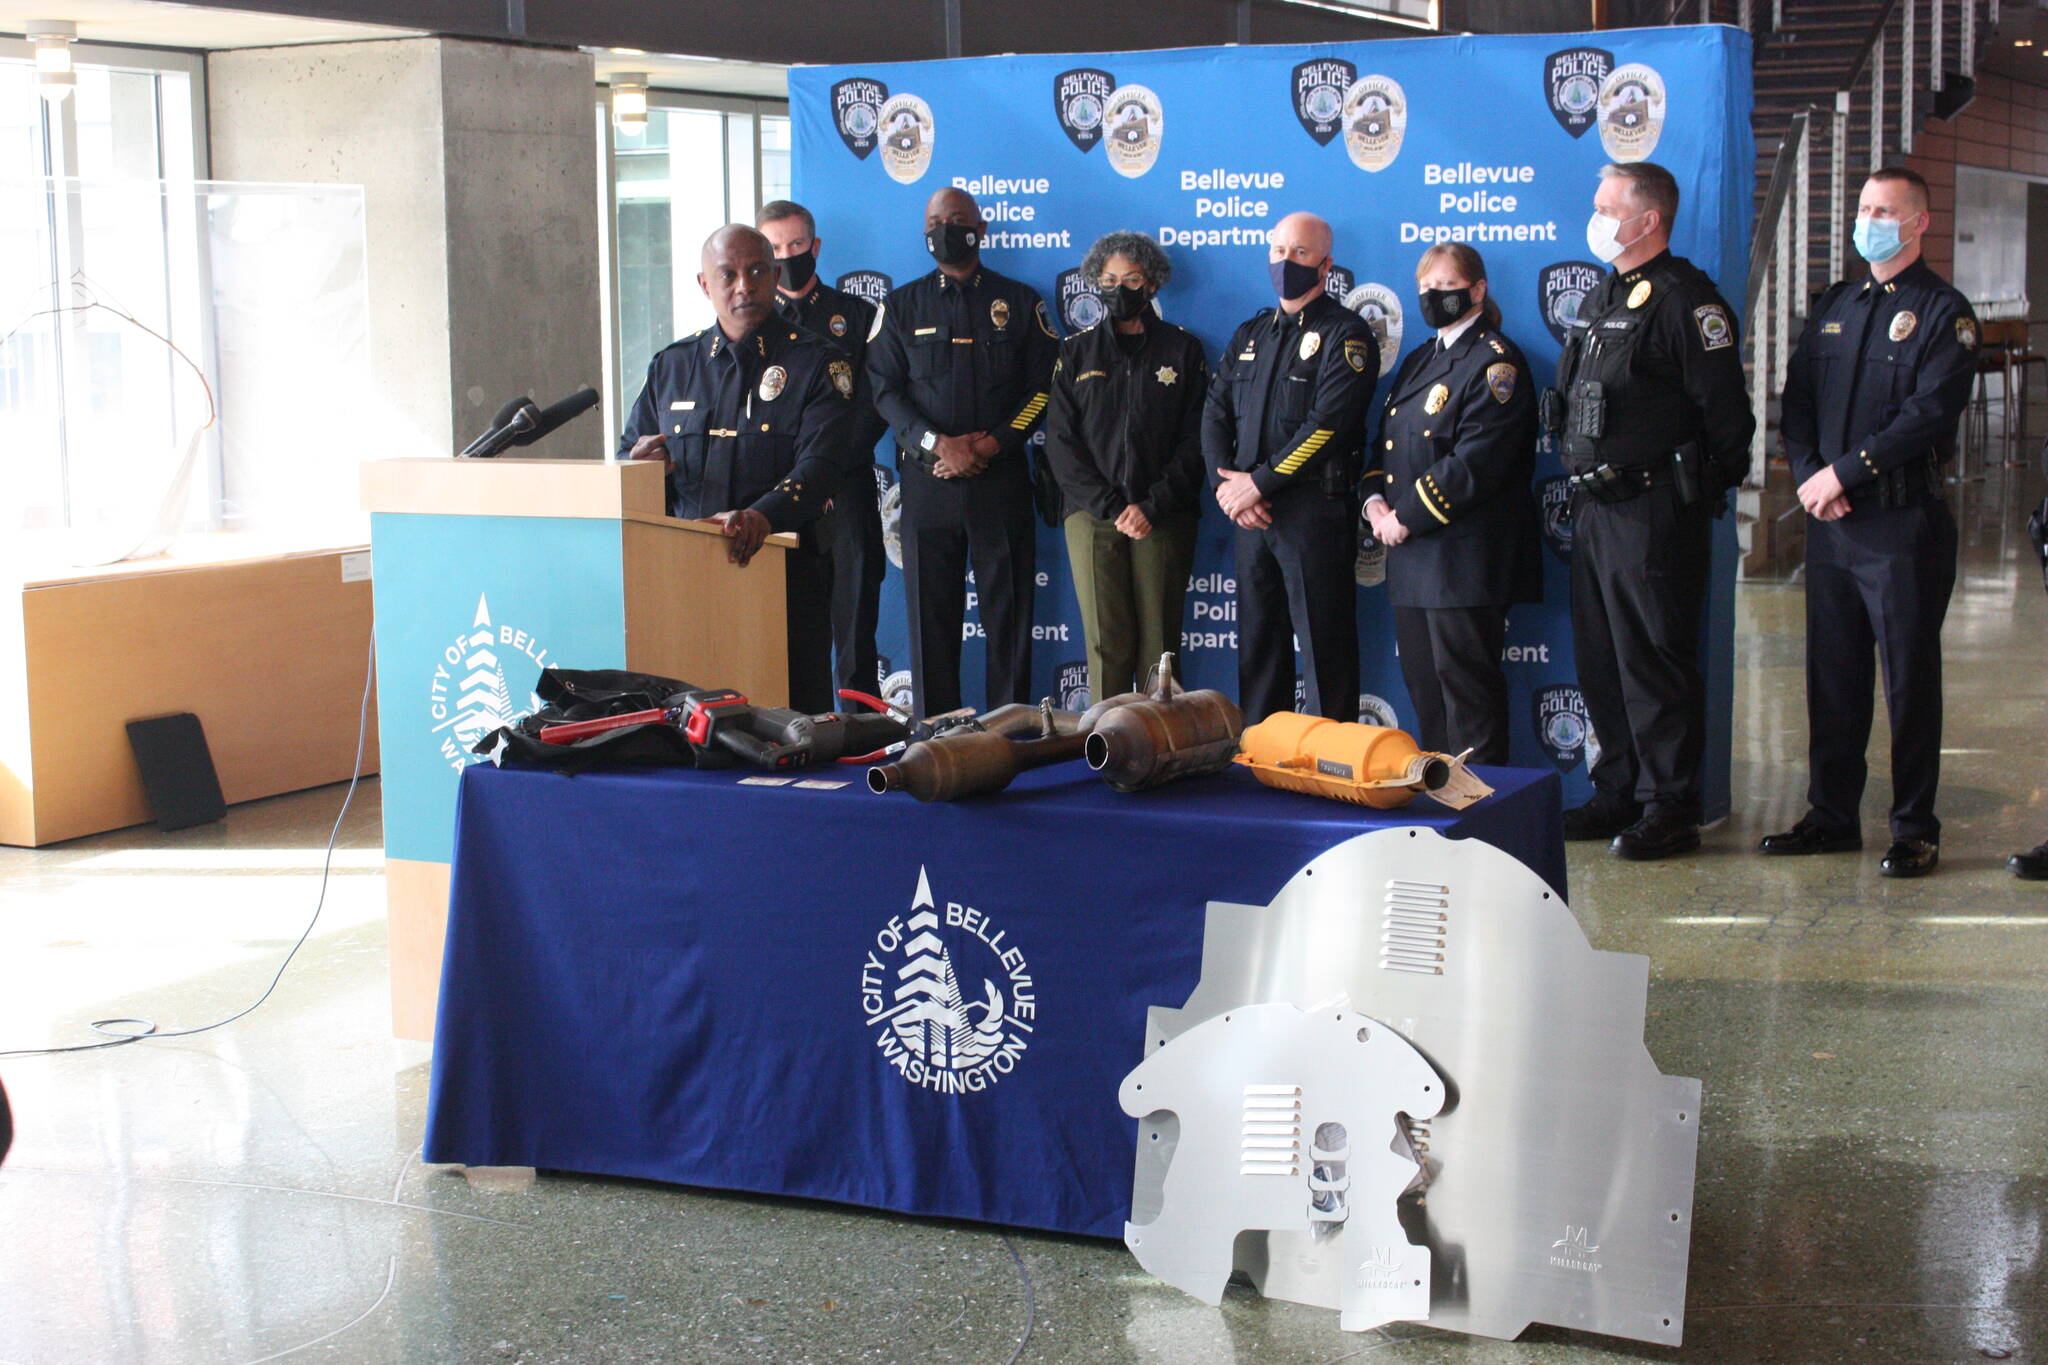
(1500, 381)
(1716, 331)
(842, 377)
(1045, 325)
(1356, 353)
(876, 329)
(1966, 333)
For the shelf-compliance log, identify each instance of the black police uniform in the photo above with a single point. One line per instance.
(852, 534)
(1288, 404)
(1875, 389)
(952, 357)
(1125, 430)
(758, 423)
(1657, 425)
(1454, 456)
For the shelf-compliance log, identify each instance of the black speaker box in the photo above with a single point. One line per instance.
(177, 770)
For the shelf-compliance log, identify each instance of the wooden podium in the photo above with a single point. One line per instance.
(485, 571)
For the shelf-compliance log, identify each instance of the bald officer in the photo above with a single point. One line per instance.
(751, 415)
(1282, 432)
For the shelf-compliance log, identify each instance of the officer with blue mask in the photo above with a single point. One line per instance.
(1282, 434)
(1873, 395)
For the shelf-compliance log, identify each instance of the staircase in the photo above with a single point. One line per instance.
(1841, 86)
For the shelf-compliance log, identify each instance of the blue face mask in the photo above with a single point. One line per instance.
(1877, 239)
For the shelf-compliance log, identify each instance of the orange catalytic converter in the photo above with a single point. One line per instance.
(1366, 764)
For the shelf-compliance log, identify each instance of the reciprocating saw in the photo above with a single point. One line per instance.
(723, 727)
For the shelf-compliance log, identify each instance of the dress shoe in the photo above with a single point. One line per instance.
(1601, 818)
(1810, 836)
(1656, 836)
(2031, 866)
(1910, 858)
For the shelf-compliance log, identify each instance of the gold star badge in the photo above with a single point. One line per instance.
(1166, 374)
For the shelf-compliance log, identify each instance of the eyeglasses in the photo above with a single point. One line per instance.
(1134, 280)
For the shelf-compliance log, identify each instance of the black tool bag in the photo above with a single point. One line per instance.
(572, 694)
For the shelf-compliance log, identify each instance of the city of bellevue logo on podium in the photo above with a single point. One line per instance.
(934, 1032)
(469, 696)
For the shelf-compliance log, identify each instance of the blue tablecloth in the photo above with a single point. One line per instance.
(689, 977)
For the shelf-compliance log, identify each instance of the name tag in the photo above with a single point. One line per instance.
(924, 331)
(683, 406)
(1828, 329)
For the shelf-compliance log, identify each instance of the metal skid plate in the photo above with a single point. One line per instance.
(1560, 1172)
(1272, 1119)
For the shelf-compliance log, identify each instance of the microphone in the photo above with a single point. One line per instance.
(516, 417)
(558, 414)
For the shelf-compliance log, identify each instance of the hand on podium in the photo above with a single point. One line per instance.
(650, 447)
(747, 529)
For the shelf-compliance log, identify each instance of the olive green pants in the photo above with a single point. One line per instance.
(1131, 595)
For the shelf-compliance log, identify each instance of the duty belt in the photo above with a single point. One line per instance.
(1619, 483)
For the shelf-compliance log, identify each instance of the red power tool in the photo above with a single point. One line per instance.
(722, 725)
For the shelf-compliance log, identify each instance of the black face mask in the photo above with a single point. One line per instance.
(797, 270)
(1292, 279)
(952, 243)
(1123, 302)
(1442, 307)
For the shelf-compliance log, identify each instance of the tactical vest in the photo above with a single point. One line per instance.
(1615, 414)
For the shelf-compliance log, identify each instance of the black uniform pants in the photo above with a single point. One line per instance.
(1877, 590)
(1639, 593)
(990, 521)
(807, 597)
(1450, 659)
(853, 544)
(1295, 584)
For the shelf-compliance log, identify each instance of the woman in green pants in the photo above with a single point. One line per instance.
(1123, 437)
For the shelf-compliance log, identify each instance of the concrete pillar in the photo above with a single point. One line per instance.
(479, 168)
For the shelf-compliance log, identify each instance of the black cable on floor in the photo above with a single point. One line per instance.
(121, 1037)
(1030, 1301)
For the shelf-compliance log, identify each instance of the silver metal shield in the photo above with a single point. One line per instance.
(1558, 1179)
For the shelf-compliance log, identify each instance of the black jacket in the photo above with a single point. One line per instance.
(949, 358)
(1879, 379)
(845, 321)
(1289, 397)
(1126, 428)
(1454, 455)
(757, 423)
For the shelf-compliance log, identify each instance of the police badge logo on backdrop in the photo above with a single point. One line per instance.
(1562, 728)
(1137, 123)
(1560, 289)
(1318, 92)
(1080, 306)
(1340, 281)
(1631, 112)
(1381, 309)
(870, 285)
(857, 113)
(1080, 100)
(1377, 711)
(1554, 498)
(1375, 121)
(907, 133)
(1571, 82)
(1070, 683)
(889, 504)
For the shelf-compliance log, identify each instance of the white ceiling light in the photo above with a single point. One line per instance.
(629, 101)
(52, 40)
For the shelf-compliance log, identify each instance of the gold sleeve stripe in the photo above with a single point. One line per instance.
(1029, 413)
(1302, 452)
(1430, 503)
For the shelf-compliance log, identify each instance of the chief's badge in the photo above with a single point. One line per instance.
(837, 325)
(1311, 342)
(1166, 374)
(1439, 395)
(842, 377)
(1500, 381)
(772, 381)
(1355, 353)
(1639, 295)
(999, 312)
(1966, 333)
(1715, 331)
(1903, 323)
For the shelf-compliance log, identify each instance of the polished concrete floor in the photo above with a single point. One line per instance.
(1873, 1181)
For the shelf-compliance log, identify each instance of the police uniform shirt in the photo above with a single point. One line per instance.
(759, 422)
(1126, 428)
(1289, 397)
(949, 357)
(1453, 457)
(1663, 342)
(1879, 379)
(845, 321)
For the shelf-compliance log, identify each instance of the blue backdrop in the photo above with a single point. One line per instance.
(1495, 140)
